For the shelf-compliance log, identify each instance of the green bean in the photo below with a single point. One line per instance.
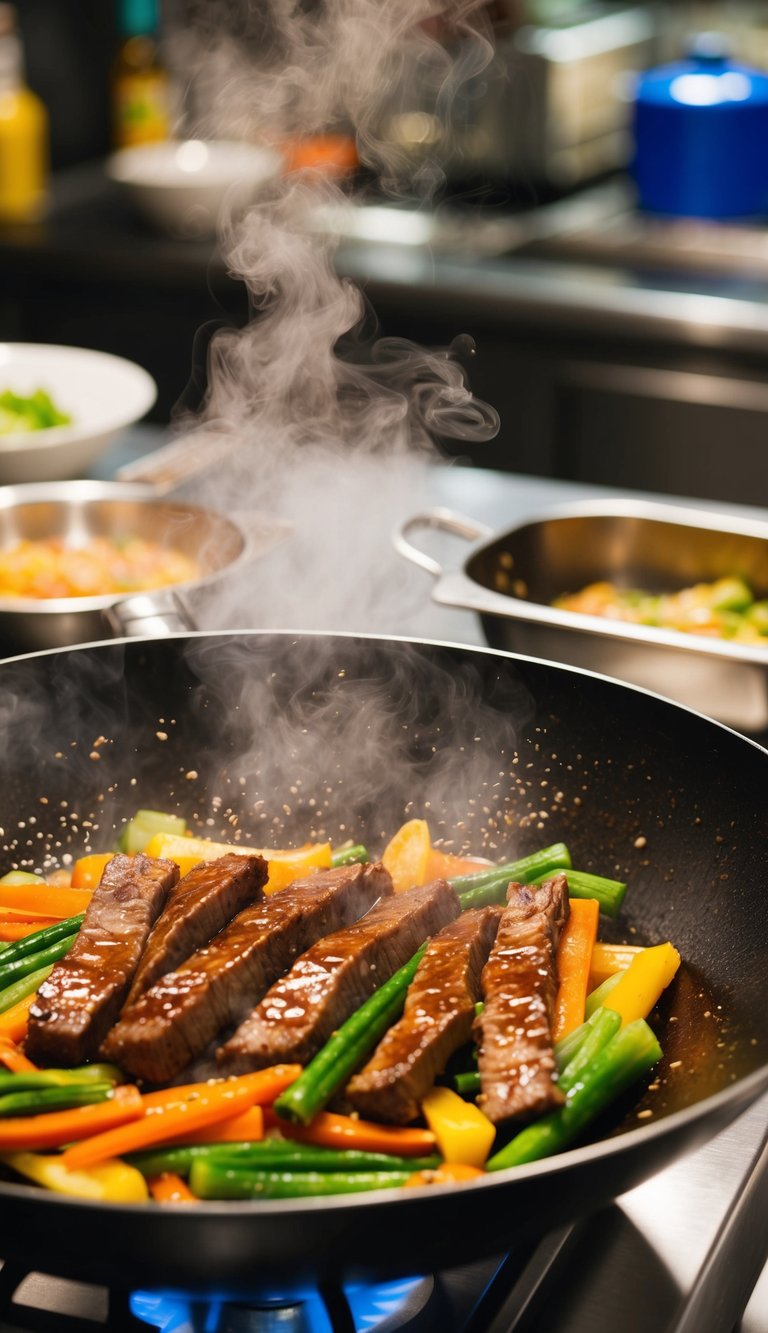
(485, 887)
(29, 1080)
(40, 939)
(35, 1101)
(347, 1048)
(616, 1067)
(19, 990)
(603, 1025)
(272, 1154)
(599, 995)
(212, 1180)
(467, 1083)
(21, 967)
(350, 855)
(582, 884)
(566, 1047)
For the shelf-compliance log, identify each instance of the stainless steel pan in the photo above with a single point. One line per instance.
(511, 577)
(284, 736)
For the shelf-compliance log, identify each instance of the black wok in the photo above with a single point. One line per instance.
(286, 735)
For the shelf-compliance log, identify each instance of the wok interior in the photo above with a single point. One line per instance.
(541, 560)
(277, 738)
(207, 537)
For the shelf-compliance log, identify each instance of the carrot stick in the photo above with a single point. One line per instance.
(16, 929)
(264, 1086)
(248, 1127)
(343, 1131)
(170, 1188)
(42, 899)
(574, 958)
(54, 1128)
(13, 1023)
(14, 1059)
(160, 1124)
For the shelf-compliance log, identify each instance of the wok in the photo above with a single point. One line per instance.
(286, 735)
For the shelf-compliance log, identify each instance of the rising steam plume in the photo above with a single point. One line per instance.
(326, 420)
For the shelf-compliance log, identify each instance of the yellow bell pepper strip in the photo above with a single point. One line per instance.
(450, 1173)
(285, 865)
(406, 855)
(329, 1129)
(170, 1188)
(573, 958)
(110, 1182)
(462, 1132)
(160, 1123)
(88, 870)
(56, 1128)
(608, 959)
(640, 987)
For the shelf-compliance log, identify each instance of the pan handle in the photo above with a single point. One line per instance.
(158, 614)
(445, 520)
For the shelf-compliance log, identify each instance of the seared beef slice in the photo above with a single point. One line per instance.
(334, 977)
(175, 1020)
(77, 1004)
(514, 1031)
(437, 1020)
(201, 905)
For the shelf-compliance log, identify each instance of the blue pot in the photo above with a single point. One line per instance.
(701, 138)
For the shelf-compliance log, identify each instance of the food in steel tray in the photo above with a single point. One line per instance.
(29, 412)
(417, 1020)
(48, 567)
(726, 608)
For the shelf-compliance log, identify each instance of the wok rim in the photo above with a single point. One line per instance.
(745, 1090)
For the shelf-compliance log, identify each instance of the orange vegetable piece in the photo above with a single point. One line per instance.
(248, 1127)
(88, 870)
(13, 1023)
(42, 900)
(54, 1128)
(170, 1188)
(445, 865)
(450, 1173)
(406, 855)
(14, 1059)
(330, 1130)
(574, 959)
(16, 929)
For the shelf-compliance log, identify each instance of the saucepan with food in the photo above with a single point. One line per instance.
(71, 550)
(665, 596)
(242, 1038)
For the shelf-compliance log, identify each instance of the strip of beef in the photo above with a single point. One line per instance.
(175, 1020)
(514, 1031)
(437, 1020)
(80, 1000)
(200, 905)
(334, 977)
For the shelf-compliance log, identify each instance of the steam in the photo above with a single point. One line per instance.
(328, 425)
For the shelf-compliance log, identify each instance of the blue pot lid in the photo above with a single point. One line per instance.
(707, 78)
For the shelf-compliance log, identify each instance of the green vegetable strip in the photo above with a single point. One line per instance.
(467, 1084)
(40, 939)
(618, 1065)
(346, 856)
(347, 1048)
(271, 1154)
(35, 1101)
(581, 884)
(21, 989)
(600, 994)
(30, 1080)
(210, 1180)
(604, 1025)
(21, 967)
(484, 887)
(566, 1047)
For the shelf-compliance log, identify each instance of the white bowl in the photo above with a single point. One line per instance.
(103, 394)
(181, 186)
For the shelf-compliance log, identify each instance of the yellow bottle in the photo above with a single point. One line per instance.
(140, 79)
(23, 132)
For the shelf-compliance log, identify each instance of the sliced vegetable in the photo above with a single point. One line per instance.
(608, 892)
(406, 855)
(14, 1059)
(284, 865)
(34, 1080)
(346, 1049)
(18, 968)
(39, 1100)
(16, 877)
(603, 1025)
(41, 939)
(599, 995)
(574, 959)
(331, 1130)
(110, 1182)
(216, 1180)
(567, 1047)
(43, 900)
(608, 959)
(486, 887)
(14, 1020)
(640, 987)
(143, 827)
(88, 870)
(467, 1083)
(159, 1124)
(450, 1173)
(18, 992)
(275, 1153)
(627, 1056)
(14, 929)
(448, 865)
(462, 1132)
(58, 1127)
(350, 854)
(170, 1188)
